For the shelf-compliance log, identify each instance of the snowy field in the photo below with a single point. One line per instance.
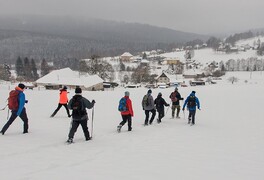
(226, 143)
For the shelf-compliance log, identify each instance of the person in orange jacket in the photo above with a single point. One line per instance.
(63, 102)
(126, 112)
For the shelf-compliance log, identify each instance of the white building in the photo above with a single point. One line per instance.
(67, 77)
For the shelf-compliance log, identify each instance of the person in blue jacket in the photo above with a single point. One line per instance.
(192, 101)
(19, 110)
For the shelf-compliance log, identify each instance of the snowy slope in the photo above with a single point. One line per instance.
(225, 144)
(208, 55)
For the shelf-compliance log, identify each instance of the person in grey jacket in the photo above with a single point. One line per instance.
(78, 105)
(148, 106)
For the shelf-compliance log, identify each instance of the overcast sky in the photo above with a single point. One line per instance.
(200, 16)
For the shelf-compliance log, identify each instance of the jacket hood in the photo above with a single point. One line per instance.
(19, 89)
(192, 94)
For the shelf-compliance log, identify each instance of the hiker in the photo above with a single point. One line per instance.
(148, 106)
(175, 99)
(62, 102)
(160, 102)
(16, 103)
(192, 101)
(78, 105)
(126, 110)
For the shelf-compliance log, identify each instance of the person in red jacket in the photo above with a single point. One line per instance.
(126, 114)
(63, 101)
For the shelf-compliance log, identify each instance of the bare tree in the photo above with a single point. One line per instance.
(233, 79)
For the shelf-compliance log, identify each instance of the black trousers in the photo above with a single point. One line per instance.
(23, 116)
(58, 108)
(161, 114)
(75, 125)
(153, 111)
(192, 116)
(126, 118)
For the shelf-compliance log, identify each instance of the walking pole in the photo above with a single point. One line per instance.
(3, 108)
(184, 114)
(167, 109)
(92, 123)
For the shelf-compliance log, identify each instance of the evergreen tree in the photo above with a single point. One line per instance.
(44, 68)
(27, 68)
(144, 56)
(34, 70)
(20, 67)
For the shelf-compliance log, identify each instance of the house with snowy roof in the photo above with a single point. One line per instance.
(127, 57)
(192, 73)
(67, 77)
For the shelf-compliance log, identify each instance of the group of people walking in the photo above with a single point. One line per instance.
(151, 106)
(78, 104)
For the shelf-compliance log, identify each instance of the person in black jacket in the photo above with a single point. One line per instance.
(160, 102)
(175, 99)
(78, 105)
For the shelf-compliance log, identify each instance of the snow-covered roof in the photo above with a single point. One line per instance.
(144, 61)
(67, 76)
(127, 54)
(192, 72)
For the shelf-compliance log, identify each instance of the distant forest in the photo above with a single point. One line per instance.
(66, 38)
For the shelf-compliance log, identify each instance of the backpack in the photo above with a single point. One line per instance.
(159, 103)
(78, 111)
(191, 101)
(13, 100)
(173, 97)
(146, 100)
(122, 105)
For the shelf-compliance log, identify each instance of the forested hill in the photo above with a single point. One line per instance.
(56, 37)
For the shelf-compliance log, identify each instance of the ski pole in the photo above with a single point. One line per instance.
(184, 114)
(167, 109)
(3, 108)
(92, 122)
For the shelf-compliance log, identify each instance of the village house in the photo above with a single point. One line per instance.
(67, 77)
(126, 57)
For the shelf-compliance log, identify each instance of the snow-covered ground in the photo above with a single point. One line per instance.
(208, 55)
(225, 144)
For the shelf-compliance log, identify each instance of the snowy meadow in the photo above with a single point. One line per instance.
(225, 144)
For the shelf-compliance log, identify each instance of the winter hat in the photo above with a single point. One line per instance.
(64, 87)
(159, 94)
(176, 89)
(127, 93)
(149, 91)
(193, 92)
(22, 86)
(78, 90)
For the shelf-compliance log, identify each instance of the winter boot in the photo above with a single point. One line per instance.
(119, 128)
(130, 129)
(70, 140)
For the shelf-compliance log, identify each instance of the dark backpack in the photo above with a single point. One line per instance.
(191, 101)
(146, 100)
(78, 111)
(122, 105)
(13, 103)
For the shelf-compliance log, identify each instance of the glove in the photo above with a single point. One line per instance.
(183, 109)
(26, 101)
(93, 101)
